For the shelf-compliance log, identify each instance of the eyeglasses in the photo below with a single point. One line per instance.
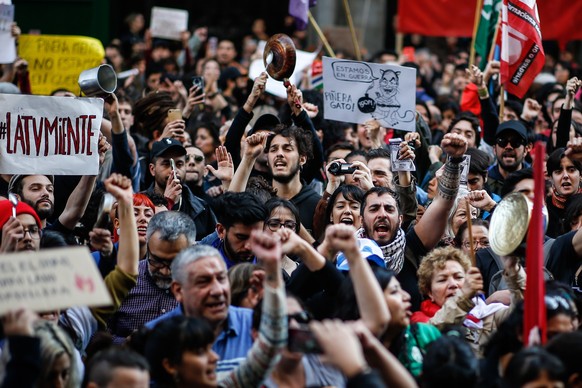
(483, 243)
(515, 143)
(276, 224)
(197, 158)
(302, 317)
(158, 263)
(34, 232)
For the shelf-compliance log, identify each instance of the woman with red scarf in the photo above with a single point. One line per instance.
(452, 288)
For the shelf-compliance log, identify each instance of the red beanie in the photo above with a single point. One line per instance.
(21, 208)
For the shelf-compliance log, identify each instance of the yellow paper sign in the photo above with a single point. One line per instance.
(51, 279)
(55, 61)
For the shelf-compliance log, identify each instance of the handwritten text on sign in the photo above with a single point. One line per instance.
(50, 279)
(49, 135)
(358, 91)
(56, 61)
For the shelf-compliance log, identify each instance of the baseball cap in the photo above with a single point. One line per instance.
(267, 121)
(368, 249)
(21, 208)
(167, 144)
(15, 180)
(515, 126)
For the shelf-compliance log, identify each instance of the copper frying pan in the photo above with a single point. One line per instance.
(279, 58)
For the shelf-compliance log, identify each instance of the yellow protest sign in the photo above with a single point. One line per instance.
(55, 61)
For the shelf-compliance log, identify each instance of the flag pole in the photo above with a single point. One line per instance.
(534, 315)
(320, 34)
(353, 30)
(501, 102)
(475, 28)
(494, 42)
(470, 230)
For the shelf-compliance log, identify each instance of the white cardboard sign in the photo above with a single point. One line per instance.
(49, 135)
(356, 92)
(168, 23)
(7, 42)
(51, 279)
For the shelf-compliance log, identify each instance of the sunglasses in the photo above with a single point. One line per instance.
(197, 158)
(515, 143)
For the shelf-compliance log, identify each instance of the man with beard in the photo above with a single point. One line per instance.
(238, 215)
(382, 221)
(38, 192)
(287, 152)
(21, 233)
(168, 233)
(168, 183)
(511, 147)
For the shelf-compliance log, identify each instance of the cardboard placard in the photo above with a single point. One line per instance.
(51, 279)
(55, 61)
(168, 23)
(7, 42)
(356, 92)
(49, 135)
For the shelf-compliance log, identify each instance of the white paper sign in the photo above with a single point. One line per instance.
(7, 42)
(49, 135)
(51, 279)
(276, 88)
(356, 92)
(168, 23)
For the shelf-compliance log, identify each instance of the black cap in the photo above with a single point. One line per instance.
(166, 144)
(515, 126)
(267, 121)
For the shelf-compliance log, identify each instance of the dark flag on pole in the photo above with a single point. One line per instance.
(298, 9)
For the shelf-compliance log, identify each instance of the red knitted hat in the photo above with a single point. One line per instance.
(21, 208)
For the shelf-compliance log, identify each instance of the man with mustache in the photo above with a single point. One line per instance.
(382, 219)
(511, 147)
(168, 233)
(288, 150)
(38, 192)
(239, 214)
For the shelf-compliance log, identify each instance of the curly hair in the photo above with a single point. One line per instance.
(301, 137)
(436, 260)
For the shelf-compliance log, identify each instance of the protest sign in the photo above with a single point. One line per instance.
(7, 42)
(49, 135)
(168, 23)
(51, 279)
(56, 61)
(356, 92)
(276, 88)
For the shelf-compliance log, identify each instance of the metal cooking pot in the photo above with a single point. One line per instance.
(99, 81)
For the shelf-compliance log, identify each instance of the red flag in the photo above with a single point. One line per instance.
(436, 17)
(522, 54)
(534, 316)
(560, 19)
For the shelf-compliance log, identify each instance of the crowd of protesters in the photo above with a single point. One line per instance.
(235, 255)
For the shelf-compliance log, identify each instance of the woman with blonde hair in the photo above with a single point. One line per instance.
(453, 291)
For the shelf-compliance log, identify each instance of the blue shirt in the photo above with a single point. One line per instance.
(233, 343)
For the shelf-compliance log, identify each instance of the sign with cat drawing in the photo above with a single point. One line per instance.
(356, 92)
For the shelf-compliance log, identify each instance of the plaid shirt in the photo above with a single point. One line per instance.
(145, 302)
